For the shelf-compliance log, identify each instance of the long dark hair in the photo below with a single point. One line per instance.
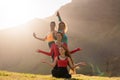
(67, 53)
(60, 27)
(60, 34)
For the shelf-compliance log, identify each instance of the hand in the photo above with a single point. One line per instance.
(43, 61)
(82, 63)
(58, 14)
(79, 49)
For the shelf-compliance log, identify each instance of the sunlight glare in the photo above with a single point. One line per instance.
(16, 12)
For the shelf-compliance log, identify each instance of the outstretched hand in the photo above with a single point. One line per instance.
(43, 61)
(79, 49)
(82, 63)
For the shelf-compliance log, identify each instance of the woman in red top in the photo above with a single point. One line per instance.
(55, 46)
(61, 62)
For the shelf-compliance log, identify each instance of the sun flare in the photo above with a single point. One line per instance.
(16, 12)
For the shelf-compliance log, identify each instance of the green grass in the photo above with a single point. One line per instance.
(4, 75)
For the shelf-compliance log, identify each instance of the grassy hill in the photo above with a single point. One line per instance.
(4, 75)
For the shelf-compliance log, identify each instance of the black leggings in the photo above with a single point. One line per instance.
(60, 72)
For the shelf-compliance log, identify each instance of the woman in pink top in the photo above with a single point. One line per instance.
(55, 47)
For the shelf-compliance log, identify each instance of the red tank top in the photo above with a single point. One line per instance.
(62, 63)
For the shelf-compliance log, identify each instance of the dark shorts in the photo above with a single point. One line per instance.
(60, 72)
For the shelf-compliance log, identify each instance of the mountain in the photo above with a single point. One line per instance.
(93, 25)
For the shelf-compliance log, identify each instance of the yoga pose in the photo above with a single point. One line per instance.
(55, 47)
(50, 38)
(61, 62)
(62, 28)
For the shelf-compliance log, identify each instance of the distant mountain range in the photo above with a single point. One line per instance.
(93, 25)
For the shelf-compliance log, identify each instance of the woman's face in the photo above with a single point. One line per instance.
(52, 25)
(62, 26)
(61, 50)
(59, 36)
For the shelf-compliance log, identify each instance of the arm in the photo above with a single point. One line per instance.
(80, 63)
(75, 50)
(47, 53)
(72, 66)
(44, 52)
(54, 35)
(70, 63)
(59, 17)
(51, 64)
(42, 39)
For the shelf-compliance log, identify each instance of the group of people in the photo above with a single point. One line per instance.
(58, 45)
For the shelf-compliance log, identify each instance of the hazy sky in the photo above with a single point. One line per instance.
(14, 12)
(93, 25)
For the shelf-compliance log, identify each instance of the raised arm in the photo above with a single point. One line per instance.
(59, 17)
(42, 39)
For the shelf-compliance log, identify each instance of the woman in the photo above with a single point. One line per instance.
(50, 38)
(61, 62)
(55, 47)
(62, 28)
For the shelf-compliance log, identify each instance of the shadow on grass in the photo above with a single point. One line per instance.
(73, 79)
